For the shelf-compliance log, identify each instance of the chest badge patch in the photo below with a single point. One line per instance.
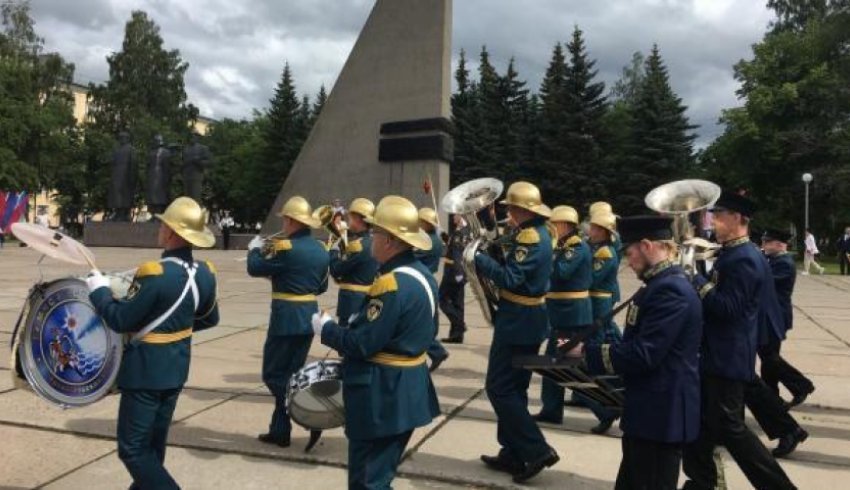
(520, 254)
(373, 310)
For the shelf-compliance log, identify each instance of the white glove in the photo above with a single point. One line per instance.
(96, 280)
(459, 278)
(255, 242)
(318, 321)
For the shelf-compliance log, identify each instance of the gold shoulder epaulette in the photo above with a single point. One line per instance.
(152, 268)
(383, 284)
(528, 236)
(573, 241)
(603, 253)
(281, 245)
(211, 267)
(354, 247)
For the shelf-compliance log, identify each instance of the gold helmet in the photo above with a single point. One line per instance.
(398, 217)
(362, 206)
(605, 220)
(189, 220)
(566, 214)
(527, 196)
(429, 216)
(600, 207)
(299, 209)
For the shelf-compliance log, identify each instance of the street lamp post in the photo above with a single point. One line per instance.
(807, 179)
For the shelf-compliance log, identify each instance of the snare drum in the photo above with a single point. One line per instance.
(64, 349)
(314, 397)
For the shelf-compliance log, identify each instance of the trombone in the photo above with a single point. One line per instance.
(267, 249)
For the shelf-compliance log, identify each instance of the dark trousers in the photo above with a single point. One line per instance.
(282, 357)
(507, 389)
(451, 303)
(723, 424)
(843, 264)
(225, 237)
(648, 465)
(372, 463)
(143, 420)
(775, 370)
(769, 410)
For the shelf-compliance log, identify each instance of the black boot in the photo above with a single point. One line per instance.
(789, 442)
(271, 439)
(533, 468)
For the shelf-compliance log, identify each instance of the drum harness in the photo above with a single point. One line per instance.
(191, 285)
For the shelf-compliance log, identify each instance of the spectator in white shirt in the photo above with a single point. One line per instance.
(809, 254)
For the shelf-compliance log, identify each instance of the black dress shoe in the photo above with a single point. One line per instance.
(546, 419)
(453, 340)
(789, 442)
(270, 439)
(603, 426)
(533, 468)
(435, 363)
(500, 463)
(798, 399)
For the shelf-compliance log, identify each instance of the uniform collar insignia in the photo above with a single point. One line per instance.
(656, 269)
(737, 242)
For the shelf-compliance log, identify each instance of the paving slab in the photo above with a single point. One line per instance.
(41, 456)
(202, 470)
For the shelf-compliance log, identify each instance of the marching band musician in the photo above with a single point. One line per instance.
(453, 281)
(520, 326)
(775, 369)
(387, 389)
(431, 257)
(604, 293)
(298, 270)
(731, 313)
(167, 301)
(658, 359)
(354, 269)
(568, 300)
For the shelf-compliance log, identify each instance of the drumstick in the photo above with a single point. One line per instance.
(86, 256)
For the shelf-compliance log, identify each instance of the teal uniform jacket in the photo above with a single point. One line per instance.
(298, 271)
(387, 388)
(354, 271)
(604, 289)
(571, 276)
(159, 361)
(431, 258)
(524, 282)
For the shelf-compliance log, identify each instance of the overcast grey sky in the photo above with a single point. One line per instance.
(236, 50)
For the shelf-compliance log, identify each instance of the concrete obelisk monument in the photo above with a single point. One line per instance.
(385, 125)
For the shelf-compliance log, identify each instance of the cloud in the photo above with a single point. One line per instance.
(236, 50)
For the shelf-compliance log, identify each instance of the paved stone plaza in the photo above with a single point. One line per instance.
(225, 405)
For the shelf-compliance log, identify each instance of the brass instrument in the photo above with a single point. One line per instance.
(336, 232)
(468, 199)
(679, 199)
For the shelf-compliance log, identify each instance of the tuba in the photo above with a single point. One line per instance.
(336, 232)
(679, 199)
(468, 200)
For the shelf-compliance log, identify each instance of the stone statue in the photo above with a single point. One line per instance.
(157, 193)
(196, 158)
(122, 186)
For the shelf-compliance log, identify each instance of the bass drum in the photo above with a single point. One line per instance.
(64, 349)
(314, 398)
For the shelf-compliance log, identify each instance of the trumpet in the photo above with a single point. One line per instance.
(337, 232)
(267, 249)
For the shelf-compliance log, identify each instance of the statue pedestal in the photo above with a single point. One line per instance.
(121, 234)
(144, 235)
